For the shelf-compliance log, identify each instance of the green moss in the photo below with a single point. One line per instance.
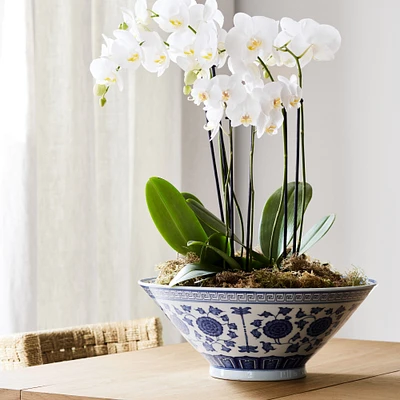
(294, 272)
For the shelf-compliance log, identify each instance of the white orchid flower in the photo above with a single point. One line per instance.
(201, 91)
(248, 73)
(191, 67)
(245, 113)
(324, 39)
(172, 15)
(138, 20)
(291, 92)
(222, 54)
(207, 12)
(291, 36)
(181, 44)
(214, 117)
(106, 47)
(105, 72)
(308, 40)
(251, 37)
(206, 45)
(126, 50)
(269, 123)
(155, 54)
(226, 90)
(270, 97)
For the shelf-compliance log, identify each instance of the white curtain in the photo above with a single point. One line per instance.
(76, 235)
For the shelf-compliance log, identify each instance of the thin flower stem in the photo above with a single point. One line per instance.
(239, 211)
(266, 68)
(303, 168)
(224, 167)
(296, 190)
(285, 181)
(231, 194)
(303, 152)
(227, 210)
(250, 207)
(224, 173)
(297, 59)
(216, 177)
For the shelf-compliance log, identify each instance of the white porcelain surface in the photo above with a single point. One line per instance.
(257, 334)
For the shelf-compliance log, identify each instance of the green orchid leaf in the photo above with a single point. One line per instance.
(173, 218)
(211, 221)
(269, 222)
(206, 216)
(193, 271)
(219, 241)
(254, 263)
(317, 232)
(191, 196)
(273, 219)
(229, 260)
(290, 230)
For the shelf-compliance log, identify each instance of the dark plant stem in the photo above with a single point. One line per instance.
(266, 68)
(224, 171)
(250, 206)
(227, 209)
(239, 211)
(303, 168)
(216, 177)
(303, 153)
(296, 190)
(231, 194)
(285, 181)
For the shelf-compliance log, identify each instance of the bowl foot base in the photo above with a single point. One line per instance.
(257, 374)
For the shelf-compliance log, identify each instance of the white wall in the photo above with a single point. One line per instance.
(352, 135)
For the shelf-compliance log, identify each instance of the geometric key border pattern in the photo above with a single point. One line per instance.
(231, 296)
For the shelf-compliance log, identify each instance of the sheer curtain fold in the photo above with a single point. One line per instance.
(76, 235)
(18, 261)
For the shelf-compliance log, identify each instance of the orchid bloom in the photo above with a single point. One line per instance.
(291, 93)
(155, 55)
(214, 117)
(205, 13)
(105, 72)
(246, 113)
(251, 37)
(181, 44)
(248, 73)
(171, 15)
(226, 91)
(269, 123)
(206, 45)
(198, 44)
(138, 20)
(306, 39)
(222, 54)
(126, 50)
(106, 48)
(201, 91)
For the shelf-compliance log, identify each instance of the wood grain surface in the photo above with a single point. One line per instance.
(339, 371)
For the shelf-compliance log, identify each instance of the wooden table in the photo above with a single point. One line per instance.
(343, 369)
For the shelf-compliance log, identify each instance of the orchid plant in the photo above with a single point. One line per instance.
(191, 35)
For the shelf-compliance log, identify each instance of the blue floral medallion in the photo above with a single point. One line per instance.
(277, 329)
(209, 326)
(319, 326)
(258, 329)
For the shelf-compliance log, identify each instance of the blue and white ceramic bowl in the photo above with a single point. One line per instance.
(257, 334)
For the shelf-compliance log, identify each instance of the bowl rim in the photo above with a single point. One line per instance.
(149, 282)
